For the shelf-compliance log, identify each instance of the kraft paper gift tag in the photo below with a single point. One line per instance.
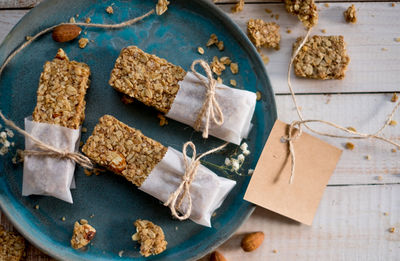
(269, 185)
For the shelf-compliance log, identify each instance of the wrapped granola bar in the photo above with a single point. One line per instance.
(56, 121)
(154, 168)
(180, 94)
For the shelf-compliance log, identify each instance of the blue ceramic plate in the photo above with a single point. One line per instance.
(114, 202)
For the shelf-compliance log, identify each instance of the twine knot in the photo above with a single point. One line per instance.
(191, 166)
(210, 109)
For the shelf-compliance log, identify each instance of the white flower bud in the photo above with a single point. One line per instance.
(244, 146)
(240, 158)
(246, 152)
(235, 165)
(228, 162)
(250, 171)
(3, 135)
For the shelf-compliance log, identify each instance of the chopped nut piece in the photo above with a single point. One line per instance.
(217, 66)
(352, 129)
(394, 98)
(36, 206)
(263, 34)
(265, 58)
(274, 251)
(87, 172)
(233, 82)
(72, 20)
(349, 146)
(163, 120)
(117, 146)
(61, 92)
(12, 245)
(258, 94)
(150, 237)
(305, 10)
(225, 60)
(162, 6)
(323, 31)
(147, 78)
(393, 123)
(83, 42)
(82, 235)
(394, 150)
(234, 68)
(393, 4)
(200, 50)
(288, 31)
(350, 15)
(268, 11)
(238, 7)
(213, 40)
(126, 99)
(28, 38)
(109, 9)
(88, 20)
(322, 57)
(220, 45)
(392, 229)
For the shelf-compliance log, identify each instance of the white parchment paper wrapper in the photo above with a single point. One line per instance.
(208, 190)
(49, 176)
(236, 105)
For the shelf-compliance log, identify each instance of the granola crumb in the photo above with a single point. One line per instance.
(72, 20)
(392, 229)
(385, 213)
(393, 4)
(258, 94)
(379, 178)
(238, 7)
(225, 60)
(274, 251)
(394, 150)
(120, 253)
(83, 42)
(217, 66)
(368, 157)
(163, 120)
(233, 82)
(268, 11)
(384, 49)
(87, 172)
(28, 38)
(393, 123)
(288, 31)
(88, 20)
(162, 6)
(150, 237)
(12, 247)
(323, 31)
(82, 235)
(326, 5)
(63, 219)
(219, 80)
(84, 129)
(109, 9)
(200, 50)
(264, 34)
(351, 129)
(36, 206)
(176, 228)
(234, 68)
(80, 143)
(220, 45)
(213, 40)
(277, 17)
(265, 58)
(91, 216)
(350, 15)
(127, 99)
(350, 146)
(397, 39)
(305, 10)
(394, 97)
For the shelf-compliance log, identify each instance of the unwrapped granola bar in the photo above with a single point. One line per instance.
(305, 10)
(263, 34)
(12, 246)
(180, 94)
(150, 237)
(154, 168)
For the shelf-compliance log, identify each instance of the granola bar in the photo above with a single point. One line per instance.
(151, 238)
(350, 14)
(305, 10)
(123, 150)
(61, 93)
(322, 57)
(82, 235)
(12, 246)
(264, 34)
(147, 78)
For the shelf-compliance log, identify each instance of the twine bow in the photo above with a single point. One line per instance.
(210, 109)
(48, 150)
(176, 198)
(290, 138)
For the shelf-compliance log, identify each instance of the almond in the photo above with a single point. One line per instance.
(118, 162)
(252, 241)
(66, 33)
(217, 256)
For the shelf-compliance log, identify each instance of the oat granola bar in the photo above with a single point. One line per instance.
(61, 93)
(322, 57)
(264, 34)
(305, 10)
(147, 78)
(12, 246)
(82, 235)
(150, 237)
(123, 150)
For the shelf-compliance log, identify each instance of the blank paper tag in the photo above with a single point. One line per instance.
(269, 186)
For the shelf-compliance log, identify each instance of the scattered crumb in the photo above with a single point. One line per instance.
(126, 99)
(265, 58)
(217, 66)
(83, 42)
(28, 38)
(225, 60)
(350, 146)
(277, 16)
(393, 123)
(238, 7)
(84, 129)
(397, 39)
(268, 11)
(63, 219)
(288, 31)
(176, 228)
(305, 10)
(384, 49)
(213, 40)
(385, 213)
(394, 98)
(120, 253)
(323, 31)
(368, 157)
(350, 15)
(80, 143)
(258, 94)
(234, 68)
(393, 4)
(91, 216)
(220, 45)
(77, 15)
(392, 229)
(87, 172)
(36, 206)
(214, 214)
(200, 50)
(326, 5)
(219, 80)
(72, 20)
(351, 129)
(162, 6)
(163, 120)
(379, 178)
(109, 9)
(274, 251)
(88, 20)
(394, 150)
(233, 82)
(263, 34)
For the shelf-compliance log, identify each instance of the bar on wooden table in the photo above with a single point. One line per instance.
(154, 168)
(180, 94)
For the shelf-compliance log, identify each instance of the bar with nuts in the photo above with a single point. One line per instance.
(61, 93)
(150, 237)
(123, 150)
(147, 78)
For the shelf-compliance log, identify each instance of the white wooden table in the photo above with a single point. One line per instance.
(350, 222)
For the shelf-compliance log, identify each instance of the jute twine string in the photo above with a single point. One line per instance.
(291, 137)
(45, 149)
(210, 109)
(176, 198)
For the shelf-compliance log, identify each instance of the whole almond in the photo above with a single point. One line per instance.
(66, 33)
(217, 256)
(252, 241)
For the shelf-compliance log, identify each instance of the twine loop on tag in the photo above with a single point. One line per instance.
(210, 109)
(191, 165)
(290, 138)
(48, 150)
